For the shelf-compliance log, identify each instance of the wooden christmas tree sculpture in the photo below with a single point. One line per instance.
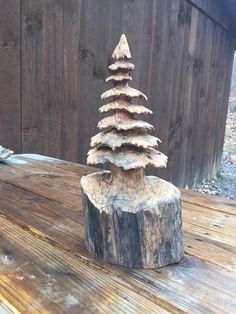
(130, 219)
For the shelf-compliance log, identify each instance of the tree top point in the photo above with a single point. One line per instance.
(122, 49)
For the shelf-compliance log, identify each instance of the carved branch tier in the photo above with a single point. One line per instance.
(130, 219)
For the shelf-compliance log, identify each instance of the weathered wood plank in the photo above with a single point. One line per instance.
(145, 283)
(159, 75)
(226, 72)
(31, 71)
(206, 109)
(42, 76)
(217, 11)
(208, 201)
(73, 70)
(66, 186)
(10, 76)
(52, 78)
(175, 136)
(188, 110)
(221, 223)
(70, 275)
(43, 258)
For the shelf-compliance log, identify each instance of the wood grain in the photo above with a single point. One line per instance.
(218, 13)
(45, 267)
(31, 72)
(52, 78)
(10, 75)
(183, 51)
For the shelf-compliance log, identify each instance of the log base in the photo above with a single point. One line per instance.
(140, 228)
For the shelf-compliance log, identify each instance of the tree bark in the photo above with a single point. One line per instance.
(141, 229)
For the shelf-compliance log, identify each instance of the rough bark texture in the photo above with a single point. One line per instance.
(140, 228)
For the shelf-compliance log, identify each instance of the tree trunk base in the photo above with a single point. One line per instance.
(140, 228)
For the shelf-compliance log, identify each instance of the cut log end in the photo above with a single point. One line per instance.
(138, 227)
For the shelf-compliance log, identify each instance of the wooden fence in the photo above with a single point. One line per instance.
(53, 62)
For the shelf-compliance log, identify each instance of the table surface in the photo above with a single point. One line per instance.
(45, 268)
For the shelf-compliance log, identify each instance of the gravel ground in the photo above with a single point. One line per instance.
(225, 184)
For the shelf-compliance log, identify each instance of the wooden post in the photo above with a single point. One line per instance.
(130, 219)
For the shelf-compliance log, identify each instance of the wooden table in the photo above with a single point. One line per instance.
(45, 268)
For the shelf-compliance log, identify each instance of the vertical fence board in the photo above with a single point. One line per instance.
(32, 74)
(52, 78)
(73, 73)
(10, 99)
(177, 126)
(195, 122)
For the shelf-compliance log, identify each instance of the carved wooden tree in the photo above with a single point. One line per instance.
(130, 219)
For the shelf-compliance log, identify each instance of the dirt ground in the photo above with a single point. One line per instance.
(225, 184)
